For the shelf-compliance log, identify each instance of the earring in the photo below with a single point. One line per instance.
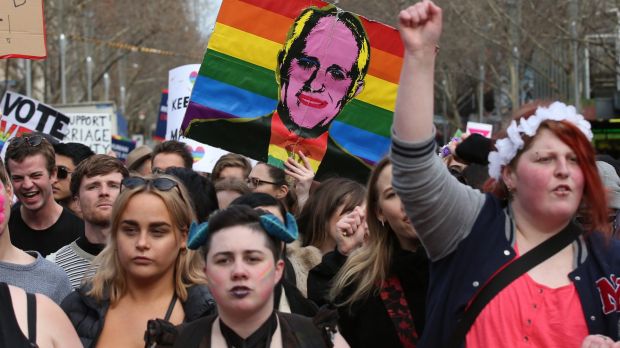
(382, 223)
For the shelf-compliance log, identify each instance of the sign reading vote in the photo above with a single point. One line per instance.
(21, 114)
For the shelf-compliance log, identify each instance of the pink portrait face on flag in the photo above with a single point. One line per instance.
(320, 77)
(323, 65)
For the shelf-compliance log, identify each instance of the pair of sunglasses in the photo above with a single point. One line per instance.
(159, 183)
(32, 140)
(256, 182)
(162, 184)
(62, 172)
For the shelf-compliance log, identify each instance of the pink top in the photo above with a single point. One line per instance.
(529, 314)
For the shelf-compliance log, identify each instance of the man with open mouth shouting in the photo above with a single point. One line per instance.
(37, 221)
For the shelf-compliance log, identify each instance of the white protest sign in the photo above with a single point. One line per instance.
(484, 129)
(180, 83)
(101, 108)
(21, 114)
(92, 130)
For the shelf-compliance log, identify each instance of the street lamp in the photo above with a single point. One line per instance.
(63, 82)
(106, 87)
(89, 78)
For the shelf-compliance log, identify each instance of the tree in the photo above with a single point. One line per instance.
(523, 47)
(134, 43)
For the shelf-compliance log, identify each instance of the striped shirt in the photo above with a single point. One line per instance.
(75, 261)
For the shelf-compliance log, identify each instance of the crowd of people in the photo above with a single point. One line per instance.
(509, 242)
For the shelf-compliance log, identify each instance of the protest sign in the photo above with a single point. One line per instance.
(306, 77)
(122, 146)
(21, 114)
(92, 130)
(22, 29)
(484, 129)
(107, 108)
(162, 120)
(180, 83)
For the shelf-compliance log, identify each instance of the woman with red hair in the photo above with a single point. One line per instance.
(481, 294)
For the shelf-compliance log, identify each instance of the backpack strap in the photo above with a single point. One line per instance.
(31, 306)
(507, 275)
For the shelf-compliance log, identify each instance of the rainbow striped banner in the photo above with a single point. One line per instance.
(237, 79)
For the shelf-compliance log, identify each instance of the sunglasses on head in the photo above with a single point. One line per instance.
(159, 183)
(62, 172)
(162, 184)
(32, 140)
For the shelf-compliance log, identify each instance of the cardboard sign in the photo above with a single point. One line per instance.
(92, 130)
(21, 114)
(306, 76)
(22, 29)
(484, 129)
(180, 83)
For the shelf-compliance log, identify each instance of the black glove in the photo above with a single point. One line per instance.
(160, 333)
(475, 149)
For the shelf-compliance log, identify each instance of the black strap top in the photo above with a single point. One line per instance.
(10, 333)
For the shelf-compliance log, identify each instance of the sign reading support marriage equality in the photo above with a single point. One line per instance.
(280, 77)
(92, 130)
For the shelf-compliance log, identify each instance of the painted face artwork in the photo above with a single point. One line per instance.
(148, 242)
(6, 195)
(548, 181)
(241, 271)
(320, 78)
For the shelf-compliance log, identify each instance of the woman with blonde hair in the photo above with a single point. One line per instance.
(145, 270)
(380, 288)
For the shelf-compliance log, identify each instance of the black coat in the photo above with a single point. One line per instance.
(297, 332)
(297, 302)
(366, 323)
(88, 315)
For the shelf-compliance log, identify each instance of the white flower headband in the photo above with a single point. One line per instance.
(508, 147)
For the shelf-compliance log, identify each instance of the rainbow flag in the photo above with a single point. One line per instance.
(237, 80)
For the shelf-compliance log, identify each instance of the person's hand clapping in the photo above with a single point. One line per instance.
(352, 231)
(420, 27)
